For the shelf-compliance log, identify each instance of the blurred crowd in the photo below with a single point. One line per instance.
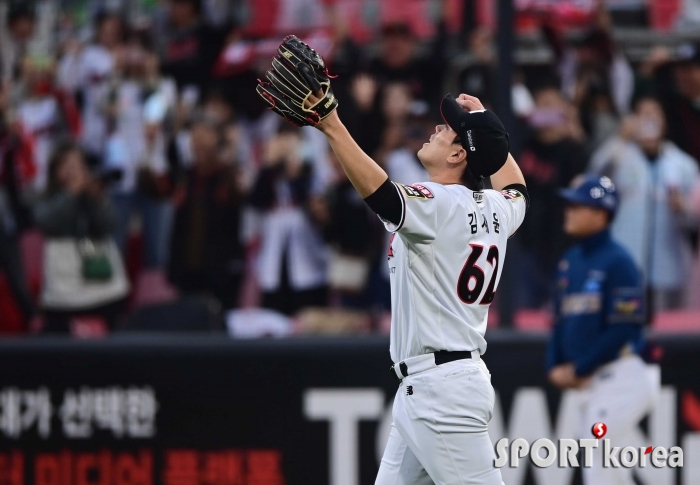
(141, 155)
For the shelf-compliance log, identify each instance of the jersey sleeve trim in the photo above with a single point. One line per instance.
(403, 208)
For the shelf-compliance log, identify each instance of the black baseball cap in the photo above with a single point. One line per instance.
(482, 135)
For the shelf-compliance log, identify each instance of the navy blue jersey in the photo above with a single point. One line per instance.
(599, 305)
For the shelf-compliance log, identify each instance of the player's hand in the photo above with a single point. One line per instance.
(564, 377)
(469, 103)
(328, 122)
(559, 376)
(582, 382)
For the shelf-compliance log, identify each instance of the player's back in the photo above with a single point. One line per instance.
(445, 265)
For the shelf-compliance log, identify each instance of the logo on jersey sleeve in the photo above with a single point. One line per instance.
(391, 245)
(627, 305)
(417, 191)
(511, 194)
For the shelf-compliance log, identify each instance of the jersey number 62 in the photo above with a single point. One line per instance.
(471, 271)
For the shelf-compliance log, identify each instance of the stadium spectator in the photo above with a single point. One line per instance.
(188, 46)
(402, 163)
(291, 266)
(354, 266)
(238, 146)
(47, 113)
(234, 74)
(676, 82)
(549, 160)
(347, 55)
(87, 72)
(399, 62)
(83, 271)
(16, 170)
(363, 113)
(597, 111)
(396, 105)
(654, 179)
(591, 61)
(479, 77)
(15, 39)
(206, 252)
(218, 108)
(136, 150)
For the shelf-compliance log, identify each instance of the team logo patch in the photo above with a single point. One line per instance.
(478, 196)
(417, 191)
(511, 194)
(627, 305)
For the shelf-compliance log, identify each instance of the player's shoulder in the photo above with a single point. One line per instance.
(619, 258)
(509, 194)
(570, 256)
(501, 198)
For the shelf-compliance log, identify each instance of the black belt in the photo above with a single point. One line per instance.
(441, 357)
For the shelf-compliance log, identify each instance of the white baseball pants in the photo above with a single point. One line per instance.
(621, 393)
(440, 430)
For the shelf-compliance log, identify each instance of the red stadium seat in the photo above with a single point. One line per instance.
(684, 321)
(533, 320)
(152, 287)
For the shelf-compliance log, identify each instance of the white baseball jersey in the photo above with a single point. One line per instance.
(445, 265)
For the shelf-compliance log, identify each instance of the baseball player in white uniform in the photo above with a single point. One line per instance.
(445, 259)
(445, 262)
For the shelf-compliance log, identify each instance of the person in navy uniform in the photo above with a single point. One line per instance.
(598, 333)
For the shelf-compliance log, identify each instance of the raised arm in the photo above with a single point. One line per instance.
(509, 174)
(363, 172)
(297, 87)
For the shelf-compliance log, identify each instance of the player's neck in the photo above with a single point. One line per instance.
(445, 178)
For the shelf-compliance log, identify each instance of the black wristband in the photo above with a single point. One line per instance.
(386, 202)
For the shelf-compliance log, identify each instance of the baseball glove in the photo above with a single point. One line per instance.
(297, 72)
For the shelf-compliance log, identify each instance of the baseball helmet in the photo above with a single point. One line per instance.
(593, 191)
